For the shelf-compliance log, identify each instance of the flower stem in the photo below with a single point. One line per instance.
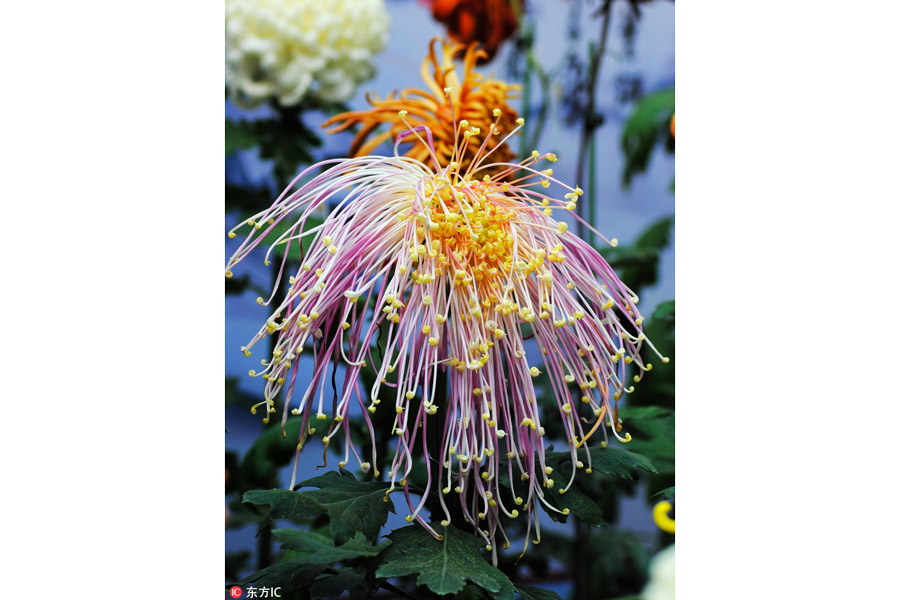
(591, 122)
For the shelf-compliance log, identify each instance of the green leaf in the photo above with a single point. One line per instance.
(658, 386)
(312, 547)
(579, 505)
(664, 310)
(529, 592)
(618, 563)
(443, 566)
(638, 264)
(610, 461)
(292, 575)
(285, 504)
(653, 434)
(332, 585)
(286, 142)
(614, 462)
(239, 135)
(620, 463)
(351, 505)
(666, 494)
(657, 236)
(647, 127)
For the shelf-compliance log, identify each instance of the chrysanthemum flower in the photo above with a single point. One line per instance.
(452, 271)
(471, 98)
(489, 22)
(290, 49)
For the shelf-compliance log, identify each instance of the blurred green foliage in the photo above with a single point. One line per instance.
(647, 127)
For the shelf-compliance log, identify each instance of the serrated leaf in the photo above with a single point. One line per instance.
(620, 463)
(443, 566)
(289, 574)
(285, 504)
(529, 592)
(351, 505)
(611, 461)
(579, 505)
(312, 547)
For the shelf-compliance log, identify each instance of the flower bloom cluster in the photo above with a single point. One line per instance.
(661, 585)
(488, 22)
(472, 98)
(434, 275)
(290, 49)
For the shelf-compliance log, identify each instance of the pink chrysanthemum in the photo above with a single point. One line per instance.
(459, 269)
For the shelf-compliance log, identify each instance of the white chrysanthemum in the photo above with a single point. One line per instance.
(288, 49)
(662, 576)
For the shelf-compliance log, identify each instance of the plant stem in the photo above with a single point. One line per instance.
(590, 122)
(528, 37)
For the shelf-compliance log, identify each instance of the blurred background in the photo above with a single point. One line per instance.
(598, 90)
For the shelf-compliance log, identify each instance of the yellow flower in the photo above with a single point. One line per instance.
(474, 96)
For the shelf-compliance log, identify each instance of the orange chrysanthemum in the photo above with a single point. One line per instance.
(489, 22)
(474, 97)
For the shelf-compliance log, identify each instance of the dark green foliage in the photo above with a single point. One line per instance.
(239, 135)
(637, 265)
(579, 505)
(647, 126)
(246, 200)
(611, 462)
(653, 434)
(666, 494)
(308, 560)
(351, 505)
(285, 140)
(333, 584)
(271, 451)
(529, 592)
(309, 547)
(292, 575)
(285, 504)
(614, 462)
(443, 566)
(234, 396)
(657, 388)
(618, 563)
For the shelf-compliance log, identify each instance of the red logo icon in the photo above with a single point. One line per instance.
(236, 592)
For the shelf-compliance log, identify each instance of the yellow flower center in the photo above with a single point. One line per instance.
(468, 228)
